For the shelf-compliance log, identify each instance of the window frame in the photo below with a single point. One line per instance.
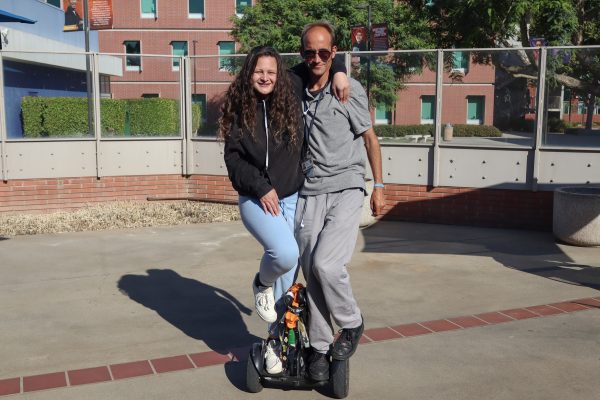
(197, 15)
(133, 67)
(149, 15)
(177, 57)
(476, 121)
(222, 67)
(241, 14)
(58, 6)
(427, 121)
(388, 115)
(465, 61)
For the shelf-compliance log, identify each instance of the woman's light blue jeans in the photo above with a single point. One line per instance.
(276, 235)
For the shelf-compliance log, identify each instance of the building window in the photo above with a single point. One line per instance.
(133, 60)
(55, 3)
(240, 5)
(148, 8)
(383, 114)
(196, 8)
(475, 110)
(460, 62)
(427, 109)
(105, 90)
(180, 49)
(150, 95)
(226, 48)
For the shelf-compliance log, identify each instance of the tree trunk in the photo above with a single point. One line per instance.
(591, 105)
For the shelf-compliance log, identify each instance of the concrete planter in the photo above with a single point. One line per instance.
(576, 217)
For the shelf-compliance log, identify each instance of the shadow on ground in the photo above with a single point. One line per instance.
(531, 252)
(199, 310)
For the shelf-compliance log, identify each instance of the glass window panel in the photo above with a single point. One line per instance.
(132, 61)
(460, 61)
(226, 48)
(383, 115)
(180, 49)
(148, 6)
(196, 6)
(475, 107)
(241, 4)
(55, 3)
(427, 109)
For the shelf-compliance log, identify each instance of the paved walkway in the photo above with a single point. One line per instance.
(165, 313)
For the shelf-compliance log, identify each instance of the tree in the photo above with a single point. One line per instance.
(279, 23)
(503, 23)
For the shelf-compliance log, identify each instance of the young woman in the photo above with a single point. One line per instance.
(263, 133)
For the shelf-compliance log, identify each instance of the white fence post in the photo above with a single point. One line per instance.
(540, 114)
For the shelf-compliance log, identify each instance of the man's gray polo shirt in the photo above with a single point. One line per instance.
(335, 140)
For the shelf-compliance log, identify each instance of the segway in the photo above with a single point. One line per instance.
(295, 349)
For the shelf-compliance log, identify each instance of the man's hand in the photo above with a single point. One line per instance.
(377, 201)
(270, 203)
(341, 86)
(374, 155)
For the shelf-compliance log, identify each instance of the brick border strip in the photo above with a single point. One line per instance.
(135, 369)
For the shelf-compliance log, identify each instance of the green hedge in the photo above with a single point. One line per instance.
(153, 117)
(31, 113)
(113, 113)
(68, 116)
(460, 130)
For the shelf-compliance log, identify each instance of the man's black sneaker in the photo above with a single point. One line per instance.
(318, 367)
(346, 344)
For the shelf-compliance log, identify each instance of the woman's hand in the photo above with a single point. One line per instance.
(341, 86)
(270, 203)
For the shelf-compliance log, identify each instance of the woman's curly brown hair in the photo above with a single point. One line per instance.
(240, 102)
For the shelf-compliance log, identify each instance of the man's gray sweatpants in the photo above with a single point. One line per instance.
(326, 231)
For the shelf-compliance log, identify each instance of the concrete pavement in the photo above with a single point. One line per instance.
(94, 306)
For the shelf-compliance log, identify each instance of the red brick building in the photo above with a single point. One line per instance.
(171, 27)
(468, 96)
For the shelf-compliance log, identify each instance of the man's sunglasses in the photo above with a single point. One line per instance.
(310, 55)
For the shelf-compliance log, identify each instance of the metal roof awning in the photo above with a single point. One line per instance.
(5, 16)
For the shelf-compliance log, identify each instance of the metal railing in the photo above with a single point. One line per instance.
(526, 153)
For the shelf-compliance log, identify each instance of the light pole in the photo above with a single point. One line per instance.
(88, 72)
(362, 6)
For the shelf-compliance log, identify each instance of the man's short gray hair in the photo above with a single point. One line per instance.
(322, 24)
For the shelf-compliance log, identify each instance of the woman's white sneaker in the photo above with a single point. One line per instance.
(272, 361)
(264, 302)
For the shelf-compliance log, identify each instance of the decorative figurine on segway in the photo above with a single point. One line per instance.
(294, 350)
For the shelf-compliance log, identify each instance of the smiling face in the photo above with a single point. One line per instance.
(264, 76)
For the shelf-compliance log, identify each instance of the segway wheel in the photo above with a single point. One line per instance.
(253, 383)
(339, 378)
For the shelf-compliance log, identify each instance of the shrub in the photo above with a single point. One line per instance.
(113, 112)
(31, 114)
(559, 125)
(66, 116)
(196, 117)
(403, 130)
(460, 130)
(153, 117)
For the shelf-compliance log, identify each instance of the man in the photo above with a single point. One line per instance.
(330, 204)
(358, 44)
(72, 19)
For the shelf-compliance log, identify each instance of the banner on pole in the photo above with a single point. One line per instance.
(100, 14)
(379, 37)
